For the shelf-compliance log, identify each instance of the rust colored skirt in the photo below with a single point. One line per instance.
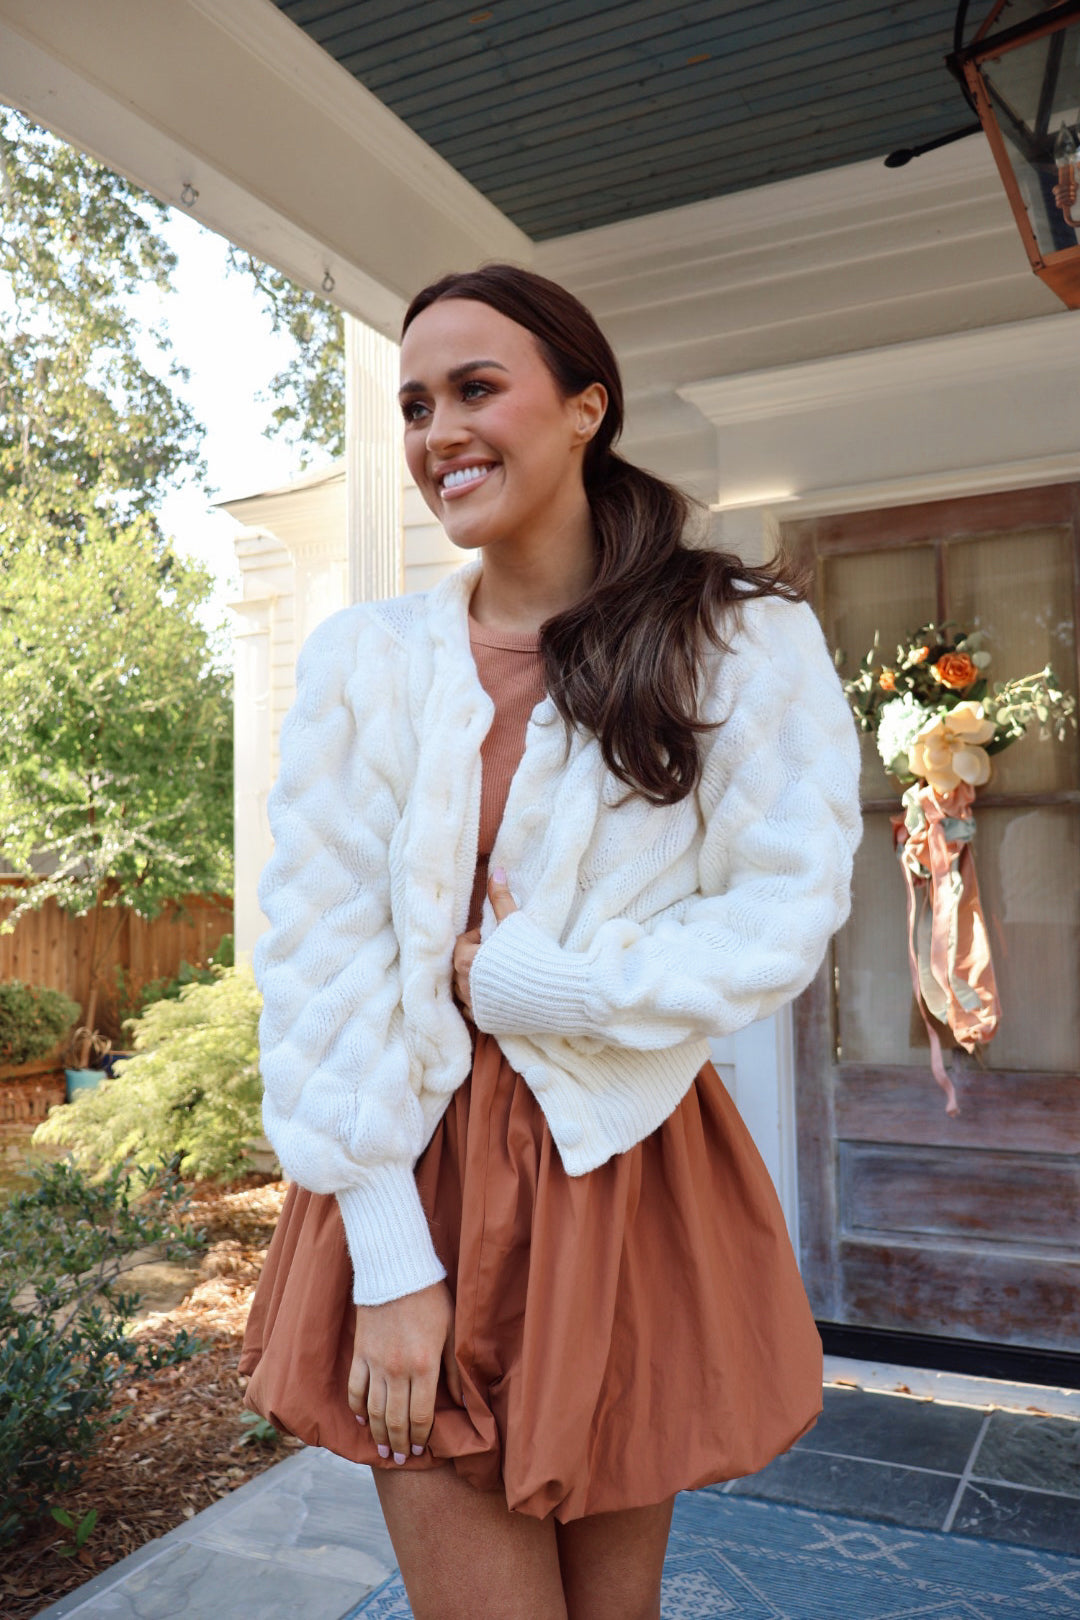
(621, 1335)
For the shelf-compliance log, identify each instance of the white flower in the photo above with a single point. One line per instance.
(948, 750)
(899, 723)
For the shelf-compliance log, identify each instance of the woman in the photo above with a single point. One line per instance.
(539, 834)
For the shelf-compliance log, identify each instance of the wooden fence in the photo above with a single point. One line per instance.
(50, 947)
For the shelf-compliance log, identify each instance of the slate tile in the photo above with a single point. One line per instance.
(843, 1485)
(1021, 1449)
(325, 1515)
(1030, 1518)
(895, 1429)
(190, 1580)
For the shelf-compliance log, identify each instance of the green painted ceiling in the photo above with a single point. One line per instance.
(572, 114)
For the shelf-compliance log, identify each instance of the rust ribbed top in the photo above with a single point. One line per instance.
(511, 673)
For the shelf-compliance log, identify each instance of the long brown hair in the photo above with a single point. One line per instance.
(626, 661)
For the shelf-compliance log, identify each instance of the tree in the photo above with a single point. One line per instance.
(310, 390)
(115, 722)
(85, 424)
(115, 728)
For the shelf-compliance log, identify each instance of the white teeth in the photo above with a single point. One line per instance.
(464, 475)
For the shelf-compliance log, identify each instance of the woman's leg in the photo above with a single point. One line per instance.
(612, 1563)
(464, 1555)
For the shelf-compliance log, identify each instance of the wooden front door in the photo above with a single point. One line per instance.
(911, 1220)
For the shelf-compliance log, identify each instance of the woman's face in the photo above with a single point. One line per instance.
(494, 447)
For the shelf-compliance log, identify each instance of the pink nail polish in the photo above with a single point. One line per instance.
(499, 875)
(418, 1451)
(361, 1420)
(384, 1451)
(399, 1457)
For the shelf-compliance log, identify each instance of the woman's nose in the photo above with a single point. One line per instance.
(446, 428)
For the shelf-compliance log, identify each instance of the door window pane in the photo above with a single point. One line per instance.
(1018, 589)
(891, 592)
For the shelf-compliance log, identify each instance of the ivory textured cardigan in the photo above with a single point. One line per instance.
(641, 930)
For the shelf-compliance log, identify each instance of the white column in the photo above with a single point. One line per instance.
(760, 1060)
(252, 771)
(374, 468)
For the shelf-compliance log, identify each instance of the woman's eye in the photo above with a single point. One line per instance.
(480, 387)
(413, 409)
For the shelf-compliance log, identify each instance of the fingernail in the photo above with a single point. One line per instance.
(399, 1457)
(362, 1420)
(384, 1451)
(418, 1451)
(499, 874)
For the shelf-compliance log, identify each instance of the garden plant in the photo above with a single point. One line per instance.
(64, 1247)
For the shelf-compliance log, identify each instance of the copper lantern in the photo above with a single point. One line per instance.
(1022, 73)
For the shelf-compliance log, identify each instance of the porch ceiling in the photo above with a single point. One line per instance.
(569, 114)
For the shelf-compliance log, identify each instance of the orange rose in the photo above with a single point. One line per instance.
(887, 680)
(954, 670)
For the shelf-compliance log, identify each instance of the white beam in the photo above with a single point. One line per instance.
(290, 156)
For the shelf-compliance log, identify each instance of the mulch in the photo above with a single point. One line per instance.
(183, 1443)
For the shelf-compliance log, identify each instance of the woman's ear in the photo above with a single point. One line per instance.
(590, 406)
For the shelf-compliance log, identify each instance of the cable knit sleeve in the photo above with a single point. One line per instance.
(338, 1105)
(780, 811)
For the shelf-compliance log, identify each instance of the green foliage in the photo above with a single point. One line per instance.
(32, 1020)
(85, 424)
(191, 1094)
(310, 391)
(81, 1530)
(258, 1430)
(115, 722)
(131, 1003)
(64, 1349)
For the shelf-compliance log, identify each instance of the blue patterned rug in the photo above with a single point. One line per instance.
(731, 1558)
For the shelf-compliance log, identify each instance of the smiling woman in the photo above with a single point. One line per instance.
(531, 1267)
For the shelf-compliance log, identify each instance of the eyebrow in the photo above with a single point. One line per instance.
(453, 376)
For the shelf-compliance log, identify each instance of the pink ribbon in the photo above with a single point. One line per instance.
(952, 973)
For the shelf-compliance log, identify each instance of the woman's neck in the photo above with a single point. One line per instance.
(520, 591)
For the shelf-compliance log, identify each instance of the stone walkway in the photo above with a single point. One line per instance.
(307, 1539)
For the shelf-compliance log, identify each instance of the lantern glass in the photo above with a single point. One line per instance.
(1034, 88)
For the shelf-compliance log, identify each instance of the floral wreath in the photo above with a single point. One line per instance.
(937, 723)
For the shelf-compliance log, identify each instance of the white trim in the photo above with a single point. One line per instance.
(266, 33)
(988, 479)
(1049, 343)
(807, 206)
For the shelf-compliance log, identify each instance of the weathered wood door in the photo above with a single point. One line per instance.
(965, 1227)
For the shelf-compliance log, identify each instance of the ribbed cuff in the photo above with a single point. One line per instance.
(388, 1236)
(522, 982)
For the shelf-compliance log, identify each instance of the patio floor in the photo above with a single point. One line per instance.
(971, 1457)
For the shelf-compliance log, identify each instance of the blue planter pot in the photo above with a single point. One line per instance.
(82, 1080)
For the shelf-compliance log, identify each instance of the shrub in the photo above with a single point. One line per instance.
(32, 1021)
(191, 1095)
(64, 1245)
(130, 1002)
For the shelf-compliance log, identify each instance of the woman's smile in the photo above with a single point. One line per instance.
(462, 480)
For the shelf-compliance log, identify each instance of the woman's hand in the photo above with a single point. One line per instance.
(466, 947)
(398, 1349)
